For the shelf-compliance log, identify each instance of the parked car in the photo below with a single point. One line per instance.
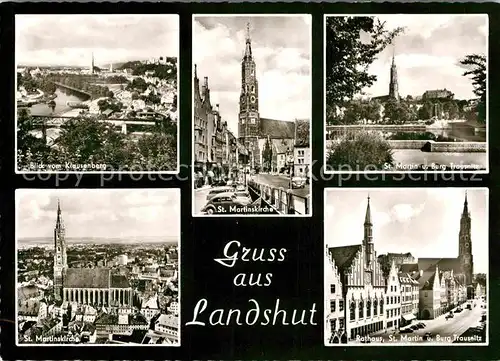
(414, 327)
(405, 330)
(298, 182)
(224, 203)
(218, 190)
(420, 325)
(449, 315)
(219, 183)
(243, 197)
(240, 187)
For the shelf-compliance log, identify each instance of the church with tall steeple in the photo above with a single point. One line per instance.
(255, 131)
(393, 93)
(93, 286)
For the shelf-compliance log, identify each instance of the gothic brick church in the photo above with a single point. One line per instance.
(253, 130)
(93, 286)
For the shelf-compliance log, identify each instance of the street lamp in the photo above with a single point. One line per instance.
(289, 160)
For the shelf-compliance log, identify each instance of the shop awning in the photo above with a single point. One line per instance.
(409, 317)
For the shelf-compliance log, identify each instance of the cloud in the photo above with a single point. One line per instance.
(405, 212)
(70, 39)
(283, 63)
(99, 213)
(428, 53)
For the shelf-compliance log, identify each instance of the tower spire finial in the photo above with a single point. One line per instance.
(248, 47)
(368, 215)
(248, 32)
(466, 205)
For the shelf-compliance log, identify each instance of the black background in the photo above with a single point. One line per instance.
(297, 282)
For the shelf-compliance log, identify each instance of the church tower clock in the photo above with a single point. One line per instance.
(249, 122)
(465, 244)
(60, 258)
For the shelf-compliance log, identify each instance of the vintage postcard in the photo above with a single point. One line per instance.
(99, 100)
(406, 93)
(406, 267)
(98, 267)
(252, 115)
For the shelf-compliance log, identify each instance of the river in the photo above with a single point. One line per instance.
(63, 96)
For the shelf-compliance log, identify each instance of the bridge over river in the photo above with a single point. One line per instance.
(56, 122)
(72, 88)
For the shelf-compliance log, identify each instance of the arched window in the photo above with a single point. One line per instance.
(382, 306)
(361, 308)
(369, 308)
(375, 307)
(352, 308)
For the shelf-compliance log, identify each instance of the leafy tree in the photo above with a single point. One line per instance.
(348, 56)
(425, 111)
(452, 109)
(110, 94)
(476, 64)
(360, 151)
(29, 148)
(398, 112)
(481, 279)
(102, 104)
(156, 151)
(267, 155)
(135, 95)
(87, 140)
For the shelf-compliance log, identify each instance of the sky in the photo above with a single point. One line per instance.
(428, 53)
(70, 39)
(281, 46)
(422, 221)
(102, 213)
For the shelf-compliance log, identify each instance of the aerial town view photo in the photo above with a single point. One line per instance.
(98, 267)
(252, 115)
(418, 274)
(102, 99)
(406, 92)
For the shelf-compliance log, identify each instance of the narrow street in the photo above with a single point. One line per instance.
(442, 330)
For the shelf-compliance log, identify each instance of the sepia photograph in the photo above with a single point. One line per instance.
(406, 92)
(252, 115)
(418, 276)
(100, 100)
(98, 267)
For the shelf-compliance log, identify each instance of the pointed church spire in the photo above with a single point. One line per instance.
(195, 71)
(248, 48)
(394, 55)
(466, 205)
(368, 216)
(58, 212)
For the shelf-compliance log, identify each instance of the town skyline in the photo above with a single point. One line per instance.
(283, 63)
(424, 222)
(99, 213)
(111, 38)
(428, 52)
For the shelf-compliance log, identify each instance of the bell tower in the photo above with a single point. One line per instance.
(465, 243)
(249, 121)
(60, 258)
(393, 83)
